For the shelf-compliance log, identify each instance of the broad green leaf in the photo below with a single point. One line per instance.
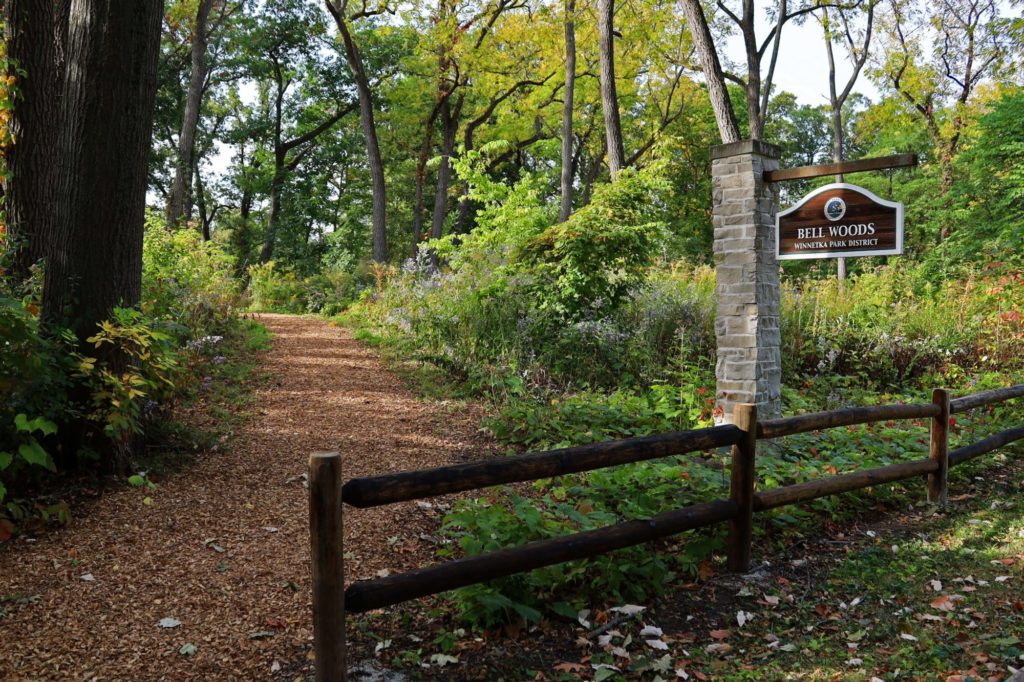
(33, 453)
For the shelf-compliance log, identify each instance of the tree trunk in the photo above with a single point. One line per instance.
(204, 218)
(450, 124)
(609, 99)
(274, 216)
(355, 63)
(725, 116)
(109, 97)
(568, 170)
(421, 181)
(30, 192)
(178, 203)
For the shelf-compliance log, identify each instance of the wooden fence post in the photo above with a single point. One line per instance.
(742, 488)
(939, 449)
(325, 528)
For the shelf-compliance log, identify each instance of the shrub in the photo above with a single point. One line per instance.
(187, 280)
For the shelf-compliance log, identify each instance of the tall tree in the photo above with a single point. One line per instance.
(304, 97)
(609, 97)
(339, 10)
(178, 200)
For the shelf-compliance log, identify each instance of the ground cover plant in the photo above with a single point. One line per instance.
(896, 590)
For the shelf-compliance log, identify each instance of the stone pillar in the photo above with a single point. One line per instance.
(749, 368)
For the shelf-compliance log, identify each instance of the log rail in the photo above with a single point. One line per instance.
(330, 603)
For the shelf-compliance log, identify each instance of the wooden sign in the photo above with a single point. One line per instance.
(839, 220)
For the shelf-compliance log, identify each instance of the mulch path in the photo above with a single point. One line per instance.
(223, 546)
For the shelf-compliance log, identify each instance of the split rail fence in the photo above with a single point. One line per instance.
(327, 494)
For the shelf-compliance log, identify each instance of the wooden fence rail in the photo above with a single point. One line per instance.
(330, 600)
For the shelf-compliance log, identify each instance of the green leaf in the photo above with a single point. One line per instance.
(41, 424)
(564, 609)
(136, 480)
(5, 460)
(33, 453)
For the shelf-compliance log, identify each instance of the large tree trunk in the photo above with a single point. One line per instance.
(609, 98)
(30, 192)
(568, 169)
(355, 63)
(109, 97)
(178, 203)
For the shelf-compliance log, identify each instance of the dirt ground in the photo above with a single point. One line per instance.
(220, 552)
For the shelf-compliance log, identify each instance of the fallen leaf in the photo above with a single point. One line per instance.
(909, 638)
(87, 577)
(187, 649)
(569, 667)
(719, 634)
(169, 622)
(936, 585)
(656, 644)
(651, 631)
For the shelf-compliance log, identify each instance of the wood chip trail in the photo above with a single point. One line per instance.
(223, 550)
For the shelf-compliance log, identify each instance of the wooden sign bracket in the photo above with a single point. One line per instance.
(877, 163)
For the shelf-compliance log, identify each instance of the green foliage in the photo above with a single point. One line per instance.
(589, 263)
(281, 290)
(138, 365)
(187, 280)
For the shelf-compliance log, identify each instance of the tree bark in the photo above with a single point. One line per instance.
(366, 118)
(178, 203)
(568, 169)
(30, 192)
(714, 76)
(109, 97)
(609, 98)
